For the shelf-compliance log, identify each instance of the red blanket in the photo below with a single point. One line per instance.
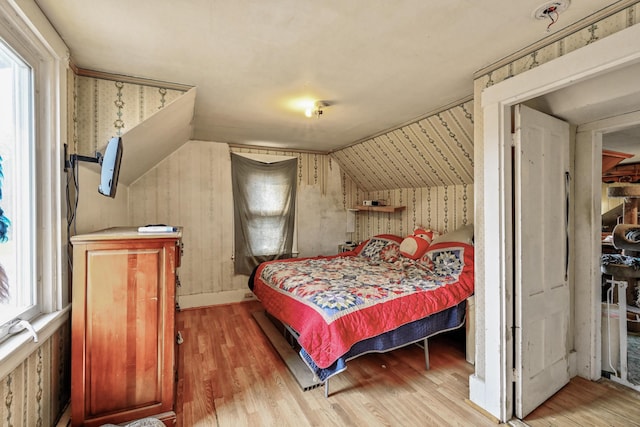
(334, 302)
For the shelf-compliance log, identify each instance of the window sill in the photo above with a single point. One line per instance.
(15, 350)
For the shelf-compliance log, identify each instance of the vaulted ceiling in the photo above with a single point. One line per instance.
(431, 152)
(379, 64)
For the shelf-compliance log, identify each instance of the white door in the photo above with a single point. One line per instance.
(541, 192)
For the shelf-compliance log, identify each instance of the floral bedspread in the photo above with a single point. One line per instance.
(334, 302)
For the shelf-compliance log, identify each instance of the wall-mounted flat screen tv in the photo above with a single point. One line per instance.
(110, 167)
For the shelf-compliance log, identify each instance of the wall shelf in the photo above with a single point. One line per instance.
(389, 209)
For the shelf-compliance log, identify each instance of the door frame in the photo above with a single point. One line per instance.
(490, 387)
(589, 138)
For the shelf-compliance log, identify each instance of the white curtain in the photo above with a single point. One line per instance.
(264, 199)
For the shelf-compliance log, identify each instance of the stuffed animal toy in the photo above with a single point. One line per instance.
(416, 245)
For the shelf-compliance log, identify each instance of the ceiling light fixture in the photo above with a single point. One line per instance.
(551, 10)
(315, 109)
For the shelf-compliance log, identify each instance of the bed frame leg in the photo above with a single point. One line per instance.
(326, 388)
(426, 353)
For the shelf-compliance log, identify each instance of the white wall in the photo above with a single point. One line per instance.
(192, 188)
(96, 211)
(322, 219)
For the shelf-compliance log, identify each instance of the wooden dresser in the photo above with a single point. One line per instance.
(123, 326)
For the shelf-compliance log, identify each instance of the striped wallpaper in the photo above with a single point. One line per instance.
(37, 391)
(106, 108)
(192, 188)
(610, 20)
(442, 208)
(430, 152)
(426, 166)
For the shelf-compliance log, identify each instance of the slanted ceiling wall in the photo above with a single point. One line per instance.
(425, 166)
(431, 152)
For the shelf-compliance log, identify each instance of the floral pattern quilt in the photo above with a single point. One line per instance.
(334, 302)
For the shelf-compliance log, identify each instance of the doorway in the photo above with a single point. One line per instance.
(491, 384)
(620, 316)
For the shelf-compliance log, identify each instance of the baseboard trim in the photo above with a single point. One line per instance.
(217, 298)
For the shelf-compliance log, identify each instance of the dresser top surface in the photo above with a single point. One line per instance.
(118, 233)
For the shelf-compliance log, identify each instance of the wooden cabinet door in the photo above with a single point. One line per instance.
(123, 329)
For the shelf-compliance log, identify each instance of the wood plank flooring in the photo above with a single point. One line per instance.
(586, 403)
(229, 375)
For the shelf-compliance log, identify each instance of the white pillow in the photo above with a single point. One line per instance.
(463, 234)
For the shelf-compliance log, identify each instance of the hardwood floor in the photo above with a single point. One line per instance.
(229, 375)
(586, 403)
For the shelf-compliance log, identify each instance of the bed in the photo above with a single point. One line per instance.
(373, 299)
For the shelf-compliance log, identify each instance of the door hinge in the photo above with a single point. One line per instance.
(514, 375)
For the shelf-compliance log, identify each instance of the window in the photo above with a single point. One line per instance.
(268, 199)
(17, 248)
(33, 119)
(264, 196)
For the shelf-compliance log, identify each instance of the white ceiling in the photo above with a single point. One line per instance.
(380, 63)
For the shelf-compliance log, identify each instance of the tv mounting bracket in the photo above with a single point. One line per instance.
(74, 158)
